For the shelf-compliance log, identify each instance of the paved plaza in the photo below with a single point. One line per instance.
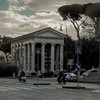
(11, 89)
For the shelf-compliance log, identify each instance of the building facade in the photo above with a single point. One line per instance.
(42, 49)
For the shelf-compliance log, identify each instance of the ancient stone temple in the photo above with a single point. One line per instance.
(43, 47)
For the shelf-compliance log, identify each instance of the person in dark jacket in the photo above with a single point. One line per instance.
(22, 73)
(61, 77)
(22, 76)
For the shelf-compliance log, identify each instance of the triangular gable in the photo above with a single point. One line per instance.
(46, 32)
(49, 32)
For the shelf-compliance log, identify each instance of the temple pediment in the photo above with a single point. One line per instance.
(49, 32)
(46, 33)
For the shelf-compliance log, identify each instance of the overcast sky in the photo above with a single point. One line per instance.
(18, 17)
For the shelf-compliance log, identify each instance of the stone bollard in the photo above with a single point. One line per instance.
(13, 74)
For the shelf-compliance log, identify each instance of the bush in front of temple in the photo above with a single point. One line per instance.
(8, 70)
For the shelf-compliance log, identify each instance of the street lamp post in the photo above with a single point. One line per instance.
(62, 23)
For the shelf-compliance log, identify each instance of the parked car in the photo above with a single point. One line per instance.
(46, 74)
(88, 72)
(71, 77)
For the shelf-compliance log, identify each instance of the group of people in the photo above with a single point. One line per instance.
(60, 75)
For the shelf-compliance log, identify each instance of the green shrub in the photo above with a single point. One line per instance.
(7, 70)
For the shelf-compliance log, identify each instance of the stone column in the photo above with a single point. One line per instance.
(43, 58)
(21, 54)
(61, 56)
(33, 58)
(28, 66)
(57, 57)
(52, 57)
(12, 54)
(17, 54)
(12, 51)
(24, 57)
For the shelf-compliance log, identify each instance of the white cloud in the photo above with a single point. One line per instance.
(44, 5)
(52, 5)
(14, 24)
(39, 20)
(13, 1)
(14, 5)
(8, 16)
